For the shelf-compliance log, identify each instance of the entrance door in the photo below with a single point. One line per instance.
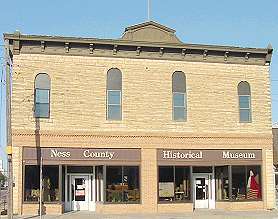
(80, 192)
(201, 191)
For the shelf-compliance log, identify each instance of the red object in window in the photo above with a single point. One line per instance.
(255, 187)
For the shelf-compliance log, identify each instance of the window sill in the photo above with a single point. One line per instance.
(245, 200)
(41, 119)
(175, 202)
(121, 203)
(37, 202)
(114, 122)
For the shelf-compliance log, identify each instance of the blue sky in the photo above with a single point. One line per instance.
(249, 23)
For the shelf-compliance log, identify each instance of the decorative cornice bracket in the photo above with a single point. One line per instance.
(115, 49)
(67, 47)
(138, 50)
(42, 46)
(247, 56)
(161, 51)
(226, 55)
(205, 54)
(183, 52)
(91, 48)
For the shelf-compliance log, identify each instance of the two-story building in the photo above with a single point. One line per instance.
(144, 123)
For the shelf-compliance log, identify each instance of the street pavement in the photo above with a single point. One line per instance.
(200, 214)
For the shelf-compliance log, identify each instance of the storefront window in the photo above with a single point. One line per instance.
(246, 183)
(122, 184)
(239, 183)
(50, 183)
(222, 183)
(174, 183)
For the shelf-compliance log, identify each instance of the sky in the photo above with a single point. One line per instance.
(248, 23)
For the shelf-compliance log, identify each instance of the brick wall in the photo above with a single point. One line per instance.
(78, 100)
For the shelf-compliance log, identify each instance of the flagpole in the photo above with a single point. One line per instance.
(149, 6)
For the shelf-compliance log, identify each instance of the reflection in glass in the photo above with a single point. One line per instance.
(179, 106)
(238, 183)
(114, 97)
(114, 112)
(222, 183)
(178, 99)
(244, 102)
(245, 115)
(174, 183)
(122, 184)
(50, 183)
(42, 96)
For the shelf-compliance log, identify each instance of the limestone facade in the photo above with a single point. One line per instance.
(78, 117)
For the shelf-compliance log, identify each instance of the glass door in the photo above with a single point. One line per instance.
(80, 192)
(201, 191)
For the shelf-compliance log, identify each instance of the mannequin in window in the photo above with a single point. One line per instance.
(253, 186)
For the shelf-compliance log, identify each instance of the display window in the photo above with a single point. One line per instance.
(122, 184)
(174, 184)
(222, 183)
(50, 183)
(246, 183)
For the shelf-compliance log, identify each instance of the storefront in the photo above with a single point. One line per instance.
(207, 178)
(76, 178)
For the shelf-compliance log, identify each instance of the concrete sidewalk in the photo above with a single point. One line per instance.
(200, 214)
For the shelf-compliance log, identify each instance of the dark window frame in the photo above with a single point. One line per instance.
(190, 200)
(122, 174)
(230, 173)
(23, 185)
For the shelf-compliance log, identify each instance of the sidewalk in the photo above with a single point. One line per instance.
(215, 214)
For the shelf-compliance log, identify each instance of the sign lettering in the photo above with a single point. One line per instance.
(238, 155)
(180, 155)
(58, 154)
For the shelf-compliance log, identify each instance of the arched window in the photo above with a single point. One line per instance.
(114, 94)
(244, 98)
(42, 94)
(179, 96)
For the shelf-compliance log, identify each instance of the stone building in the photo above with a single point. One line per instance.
(144, 123)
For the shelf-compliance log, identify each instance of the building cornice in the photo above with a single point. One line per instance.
(60, 45)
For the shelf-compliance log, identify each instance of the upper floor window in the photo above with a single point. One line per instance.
(114, 94)
(244, 97)
(42, 94)
(179, 96)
